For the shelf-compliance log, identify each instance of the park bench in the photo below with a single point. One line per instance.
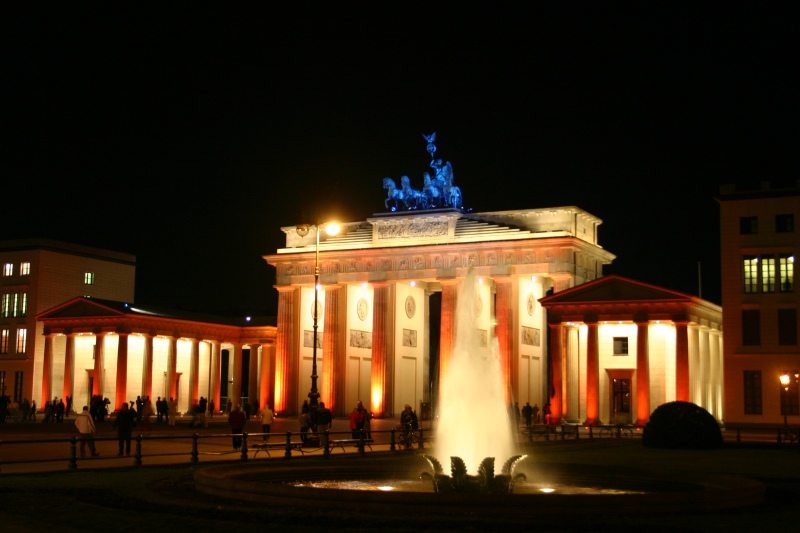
(267, 446)
(570, 430)
(536, 432)
(616, 431)
(343, 443)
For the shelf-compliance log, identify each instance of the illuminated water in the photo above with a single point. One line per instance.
(397, 485)
(473, 411)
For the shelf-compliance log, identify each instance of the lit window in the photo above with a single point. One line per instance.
(6, 309)
(8, 269)
(5, 335)
(620, 345)
(88, 278)
(15, 304)
(786, 272)
(22, 340)
(23, 304)
(748, 225)
(750, 273)
(24, 269)
(752, 392)
(768, 274)
(784, 223)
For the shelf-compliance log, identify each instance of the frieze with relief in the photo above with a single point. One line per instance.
(414, 229)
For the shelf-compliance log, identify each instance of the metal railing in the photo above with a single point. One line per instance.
(292, 443)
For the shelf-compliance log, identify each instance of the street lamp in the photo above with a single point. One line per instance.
(786, 380)
(331, 228)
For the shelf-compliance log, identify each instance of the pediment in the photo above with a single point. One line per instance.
(614, 289)
(80, 308)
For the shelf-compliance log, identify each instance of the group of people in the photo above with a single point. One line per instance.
(316, 421)
(530, 414)
(25, 411)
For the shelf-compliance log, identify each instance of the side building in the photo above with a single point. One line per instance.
(759, 246)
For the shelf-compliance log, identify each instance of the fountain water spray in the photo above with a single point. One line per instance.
(473, 414)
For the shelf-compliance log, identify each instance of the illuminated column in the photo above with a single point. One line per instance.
(380, 340)
(47, 369)
(121, 389)
(592, 375)
(642, 373)
(286, 363)
(194, 373)
(447, 332)
(572, 389)
(172, 368)
(695, 395)
(99, 363)
(717, 373)
(504, 331)
(69, 368)
(265, 389)
(331, 382)
(252, 379)
(236, 392)
(555, 386)
(147, 366)
(682, 361)
(704, 379)
(215, 375)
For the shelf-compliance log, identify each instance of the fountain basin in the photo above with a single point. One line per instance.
(579, 489)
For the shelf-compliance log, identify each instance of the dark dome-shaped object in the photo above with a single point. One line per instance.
(682, 425)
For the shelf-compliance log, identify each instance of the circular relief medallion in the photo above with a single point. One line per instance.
(362, 308)
(478, 305)
(411, 307)
(319, 310)
(531, 304)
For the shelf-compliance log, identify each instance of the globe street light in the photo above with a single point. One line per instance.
(331, 228)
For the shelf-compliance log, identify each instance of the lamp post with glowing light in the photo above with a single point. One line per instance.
(331, 228)
(786, 380)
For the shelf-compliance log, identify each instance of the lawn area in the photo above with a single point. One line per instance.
(163, 498)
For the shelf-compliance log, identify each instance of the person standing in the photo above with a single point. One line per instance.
(124, 425)
(33, 411)
(267, 416)
(69, 406)
(527, 414)
(236, 421)
(172, 407)
(211, 408)
(535, 412)
(87, 429)
(305, 420)
(357, 420)
(324, 420)
(202, 405)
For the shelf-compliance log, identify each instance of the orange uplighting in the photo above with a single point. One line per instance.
(279, 392)
(377, 395)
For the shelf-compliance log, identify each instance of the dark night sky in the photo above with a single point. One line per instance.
(189, 136)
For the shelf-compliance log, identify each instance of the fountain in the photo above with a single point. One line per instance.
(472, 426)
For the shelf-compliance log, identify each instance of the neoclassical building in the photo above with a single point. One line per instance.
(119, 351)
(619, 348)
(388, 294)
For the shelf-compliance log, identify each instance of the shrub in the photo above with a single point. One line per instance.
(682, 425)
